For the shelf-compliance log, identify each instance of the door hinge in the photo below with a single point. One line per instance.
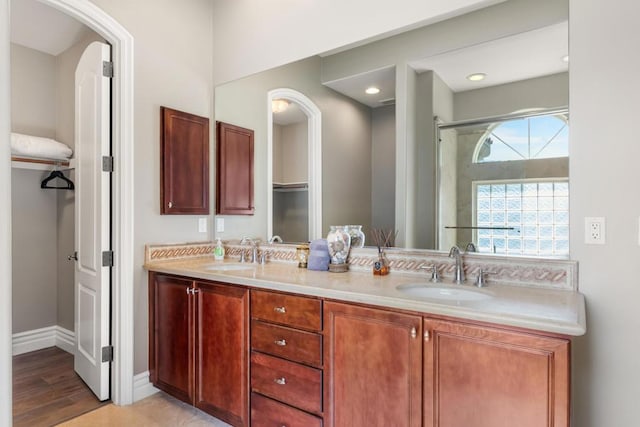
(107, 69)
(107, 353)
(107, 258)
(107, 163)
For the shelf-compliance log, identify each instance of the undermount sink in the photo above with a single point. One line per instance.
(446, 293)
(229, 267)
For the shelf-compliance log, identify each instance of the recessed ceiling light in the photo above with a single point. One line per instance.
(565, 58)
(476, 77)
(372, 90)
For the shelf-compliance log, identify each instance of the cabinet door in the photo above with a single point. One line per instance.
(234, 171)
(483, 377)
(373, 363)
(222, 357)
(184, 172)
(171, 335)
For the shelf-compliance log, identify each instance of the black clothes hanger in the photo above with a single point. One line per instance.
(57, 174)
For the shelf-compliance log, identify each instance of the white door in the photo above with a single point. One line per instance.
(92, 209)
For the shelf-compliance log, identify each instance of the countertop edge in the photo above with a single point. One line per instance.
(426, 308)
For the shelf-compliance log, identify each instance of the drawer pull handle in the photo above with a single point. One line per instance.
(281, 381)
(281, 343)
(280, 310)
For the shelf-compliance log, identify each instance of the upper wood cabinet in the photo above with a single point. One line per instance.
(184, 173)
(234, 170)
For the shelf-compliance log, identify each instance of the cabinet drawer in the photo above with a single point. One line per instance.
(292, 344)
(297, 385)
(290, 310)
(266, 412)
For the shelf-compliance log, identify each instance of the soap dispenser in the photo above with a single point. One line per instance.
(218, 251)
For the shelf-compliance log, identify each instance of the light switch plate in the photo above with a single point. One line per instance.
(219, 225)
(202, 225)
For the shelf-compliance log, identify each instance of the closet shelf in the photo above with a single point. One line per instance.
(41, 164)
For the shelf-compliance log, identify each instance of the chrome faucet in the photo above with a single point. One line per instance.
(471, 247)
(458, 277)
(254, 250)
(275, 239)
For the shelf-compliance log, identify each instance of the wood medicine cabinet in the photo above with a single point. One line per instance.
(234, 170)
(184, 175)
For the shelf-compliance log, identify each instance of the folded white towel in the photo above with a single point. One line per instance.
(39, 147)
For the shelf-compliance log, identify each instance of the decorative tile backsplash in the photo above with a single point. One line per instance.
(515, 271)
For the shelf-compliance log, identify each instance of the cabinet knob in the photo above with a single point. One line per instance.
(280, 310)
(170, 204)
(427, 336)
(281, 381)
(414, 332)
(281, 343)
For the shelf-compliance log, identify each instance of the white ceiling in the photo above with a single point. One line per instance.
(43, 28)
(354, 87)
(523, 56)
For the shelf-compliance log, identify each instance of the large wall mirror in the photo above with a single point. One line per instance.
(421, 155)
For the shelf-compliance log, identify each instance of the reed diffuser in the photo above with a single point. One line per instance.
(383, 239)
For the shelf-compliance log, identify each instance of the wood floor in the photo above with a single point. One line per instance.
(46, 390)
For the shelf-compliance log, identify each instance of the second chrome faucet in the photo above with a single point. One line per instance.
(458, 276)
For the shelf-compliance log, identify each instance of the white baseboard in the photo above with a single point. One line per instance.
(142, 387)
(37, 339)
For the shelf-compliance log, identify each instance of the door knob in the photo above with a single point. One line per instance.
(73, 257)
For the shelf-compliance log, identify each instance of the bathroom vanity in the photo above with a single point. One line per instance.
(277, 345)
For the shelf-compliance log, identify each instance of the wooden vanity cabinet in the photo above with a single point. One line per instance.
(199, 337)
(171, 335)
(484, 377)
(388, 368)
(286, 360)
(373, 367)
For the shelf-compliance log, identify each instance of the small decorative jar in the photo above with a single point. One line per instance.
(357, 236)
(302, 253)
(381, 266)
(339, 243)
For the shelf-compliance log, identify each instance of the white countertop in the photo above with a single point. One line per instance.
(541, 309)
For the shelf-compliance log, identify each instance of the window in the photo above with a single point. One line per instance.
(539, 137)
(528, 217)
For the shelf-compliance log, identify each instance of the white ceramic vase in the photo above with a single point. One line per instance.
(339, 242)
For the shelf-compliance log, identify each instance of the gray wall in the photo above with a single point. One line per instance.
(34, 252)
(544, 92)
(603, 170)
(346, 144)
(383, 168)
(34, 211)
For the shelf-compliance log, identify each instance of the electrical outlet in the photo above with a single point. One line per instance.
(594, 230)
